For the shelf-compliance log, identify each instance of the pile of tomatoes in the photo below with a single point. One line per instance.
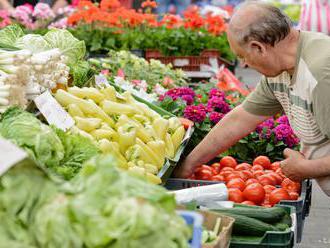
(261, 183)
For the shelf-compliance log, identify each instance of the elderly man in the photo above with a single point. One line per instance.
(296, 69)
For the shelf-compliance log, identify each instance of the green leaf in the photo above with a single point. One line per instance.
(270, 147)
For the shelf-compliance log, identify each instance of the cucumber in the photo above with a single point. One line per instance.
(249, 226)
(268, 215)
(286, 220)
(281, 226)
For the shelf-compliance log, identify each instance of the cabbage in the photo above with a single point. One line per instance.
(33, 42)
(38, 139)
(69, 45)
(10, 34)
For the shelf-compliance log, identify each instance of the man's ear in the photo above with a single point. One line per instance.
(257, 47)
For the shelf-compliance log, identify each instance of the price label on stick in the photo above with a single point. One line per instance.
(53, 111)
(10, 155)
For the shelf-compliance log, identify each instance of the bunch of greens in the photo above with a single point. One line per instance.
(102, 207)
(61, 152)
(151, 75)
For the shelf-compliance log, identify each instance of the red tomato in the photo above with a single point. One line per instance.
(186, 123)
(263, 161)
(257, 167)
(268, 171)
(217, 167)
(251, 203)
(237, 183)
(254, 192)
(266, 205)
(257, 174)
(218, 178)
(290, 185)
(277, 195)
(269, 189)
(204, 172)
(294, 195)
(233, 175)
(243, 166)
(276, 177)
(225, 173)
(276, 165)
(235, 195)
(228, 161)
(267, 180)
(227, 169)
(248, 173)
(250, 181)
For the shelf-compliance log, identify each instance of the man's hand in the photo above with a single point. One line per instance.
(185, 170)
(294, 165)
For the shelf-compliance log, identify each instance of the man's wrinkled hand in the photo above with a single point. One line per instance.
(184, 170)
(294, 165)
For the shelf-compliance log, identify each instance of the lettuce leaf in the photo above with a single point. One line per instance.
(10, 34)
(69, 45)
(33, 42)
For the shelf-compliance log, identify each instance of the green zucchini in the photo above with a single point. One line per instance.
(249, 226)
(268, 215)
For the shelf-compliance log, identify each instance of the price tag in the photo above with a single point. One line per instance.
(53, 111)
(181, 62)
(10, 155)
(101, 81)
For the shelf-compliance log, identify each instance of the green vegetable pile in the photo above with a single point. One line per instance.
(61, 152)
(102, 206)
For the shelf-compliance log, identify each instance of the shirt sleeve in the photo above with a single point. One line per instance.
(262, 101)
(321, 105)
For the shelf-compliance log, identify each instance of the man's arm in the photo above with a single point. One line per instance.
(4, 4)
(234, 126)
(59, 4)
(297, 167)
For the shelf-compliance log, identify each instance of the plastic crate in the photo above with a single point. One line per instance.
(271, 239)
(195, 220)
(189, 63)
(178, 183)
(300, 205)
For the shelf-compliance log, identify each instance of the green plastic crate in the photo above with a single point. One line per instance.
(284, 239)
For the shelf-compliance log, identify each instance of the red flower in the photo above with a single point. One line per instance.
(149, 3)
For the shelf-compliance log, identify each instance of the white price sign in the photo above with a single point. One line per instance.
(10, 155)
(53, 111)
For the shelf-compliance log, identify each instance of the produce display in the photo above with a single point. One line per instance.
(35, 63)
(102, 206)
(261, 183)
(140, 138)
(147, 77)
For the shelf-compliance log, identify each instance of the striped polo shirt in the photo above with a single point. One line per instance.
(304, 97)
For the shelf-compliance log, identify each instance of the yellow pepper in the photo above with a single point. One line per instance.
(160, 126)
(87, 124)
(151, 168)
(127, 136)
(158, 147)
(112, 147)
(108, 134)
(74, 110)
(90, 93)
(177, 137)
(169, 146)
(109, 93)
(153, 179)
(118, 108)
(149, 154)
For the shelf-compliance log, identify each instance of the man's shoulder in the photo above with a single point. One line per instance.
(315, 53)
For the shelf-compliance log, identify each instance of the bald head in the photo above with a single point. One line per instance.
(259, 21)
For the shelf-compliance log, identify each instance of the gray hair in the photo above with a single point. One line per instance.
(269, 25)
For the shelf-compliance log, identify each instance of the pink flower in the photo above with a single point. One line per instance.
(105, 72)
(215, 117)
(43, 11)
(219, 104)
(62, 23)
(159, 90)
(23, 14)
(121, 73)
(4, 18)
(195, 113)
(167, 81)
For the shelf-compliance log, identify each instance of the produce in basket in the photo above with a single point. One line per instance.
(140, 138)
(253, 185)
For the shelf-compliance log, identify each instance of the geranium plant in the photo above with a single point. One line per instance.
(207, 105)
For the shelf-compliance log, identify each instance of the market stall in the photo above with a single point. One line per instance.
(90, 134)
